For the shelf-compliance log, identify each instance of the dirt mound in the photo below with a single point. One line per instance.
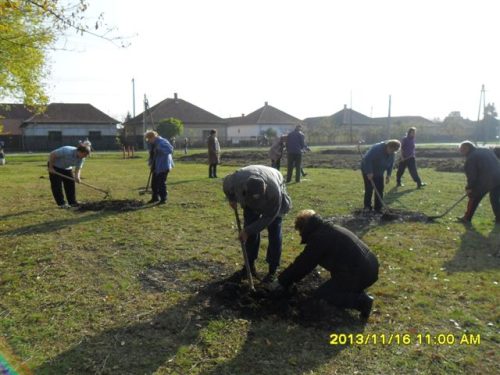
(297, 304)
(359, 220)
(111, 205)
(233, 299)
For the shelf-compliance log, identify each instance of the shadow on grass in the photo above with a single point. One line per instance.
(183, 338)
(55, 225)
(20, 213)
(477, 252)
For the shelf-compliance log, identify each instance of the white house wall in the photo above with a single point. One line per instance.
(69, 130)
(247, 131)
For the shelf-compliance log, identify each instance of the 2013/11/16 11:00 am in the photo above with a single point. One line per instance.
(404, 339)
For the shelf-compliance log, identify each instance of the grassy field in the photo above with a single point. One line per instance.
(119, 292)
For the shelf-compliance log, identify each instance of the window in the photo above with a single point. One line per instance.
(55, 136)
(94, 136)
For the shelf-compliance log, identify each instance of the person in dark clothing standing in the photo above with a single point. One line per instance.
(295, 144)
(408, 159)
(482, 169)
(353, 267)
(378, 160)
(62, 161)
(213, 153)
(161, 162)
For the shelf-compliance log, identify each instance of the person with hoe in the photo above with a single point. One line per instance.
(482, 169)
(276, 151)
(378, 160)
(353, 267)
(408, 159)
(261, 192)
(60, 165)
(160, 162)
(213, 153)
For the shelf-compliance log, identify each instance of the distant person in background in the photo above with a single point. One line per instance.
(482, 169)
(213, 153)
(2, 153)
(408, 159)
(378, 160)
(173, 142)
(185, 145)
(160, 162)
(62, 161)
(295, 144)
(276, 151)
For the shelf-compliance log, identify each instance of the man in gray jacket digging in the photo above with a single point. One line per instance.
(261, 192)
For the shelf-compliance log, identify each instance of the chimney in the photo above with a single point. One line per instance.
(265, 103)
(175, 95)
(242, 115)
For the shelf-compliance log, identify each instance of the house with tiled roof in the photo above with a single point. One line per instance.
(197, 121)
(349, 126)
(255, 124)
(66, 124)
(11, 118)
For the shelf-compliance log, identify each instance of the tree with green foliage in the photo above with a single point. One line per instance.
(170, 127)
(29, 29)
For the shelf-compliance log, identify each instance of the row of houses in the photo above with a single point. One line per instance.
(64, 123)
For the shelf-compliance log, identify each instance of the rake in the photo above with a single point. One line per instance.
(106, 192)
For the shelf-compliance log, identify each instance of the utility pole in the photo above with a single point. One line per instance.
(350, 118)
(133, 97)
(146, 107)
(389, 120)
(482, 105)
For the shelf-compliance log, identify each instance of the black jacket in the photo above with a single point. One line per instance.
(482, 169)
(334, 248)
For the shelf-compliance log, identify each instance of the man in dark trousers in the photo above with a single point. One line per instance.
(378, 160)
(482, 169)
(62, 161)
(408, 159)
(261, 192)
(295, 144)
(160, 162)
(353, 267)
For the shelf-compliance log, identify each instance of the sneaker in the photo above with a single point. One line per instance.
(163, 201)
(422, 184)
(365, 307)
(76, 204)
(400, 184)
(152, 201)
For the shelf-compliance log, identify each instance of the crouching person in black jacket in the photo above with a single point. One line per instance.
(353, 267)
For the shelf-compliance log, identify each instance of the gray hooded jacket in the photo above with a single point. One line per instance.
(273, 203)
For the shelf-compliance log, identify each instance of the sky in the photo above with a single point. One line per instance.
(307, 58)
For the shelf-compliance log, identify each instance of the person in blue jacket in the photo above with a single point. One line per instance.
(378, 160)
(161, 162)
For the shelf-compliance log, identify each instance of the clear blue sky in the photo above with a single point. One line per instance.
(307, 58)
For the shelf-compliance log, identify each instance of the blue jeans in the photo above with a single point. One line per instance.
(253, 242)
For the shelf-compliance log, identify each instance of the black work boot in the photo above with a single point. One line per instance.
(365, 306)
